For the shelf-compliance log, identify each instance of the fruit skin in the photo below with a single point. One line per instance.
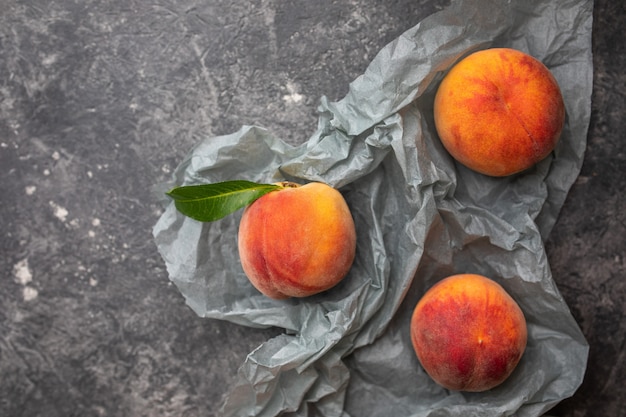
(499, 111)
(297, 241)
(468, 333)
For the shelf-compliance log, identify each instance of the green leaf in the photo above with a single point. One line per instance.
(210, 202)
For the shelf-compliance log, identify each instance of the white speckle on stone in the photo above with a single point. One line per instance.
(49, 60)
(292, 97)
(93, 282)
(58, 211)
(90, 174)
(3, 145)
(91, 234)
(46, 172)
(30, 189)
(166, 169)
(22, 273)
(582, 180)
(29, 293)
(56, 155)
(18, 317)
(95, 222)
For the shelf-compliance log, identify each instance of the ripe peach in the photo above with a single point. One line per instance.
(297, 241)
(499, 111)
(468, 333)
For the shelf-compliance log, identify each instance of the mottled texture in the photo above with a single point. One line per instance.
(100, 100)
(499, 111)
(468, 333)
(297, 241)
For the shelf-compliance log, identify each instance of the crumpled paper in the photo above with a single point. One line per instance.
(419, 216)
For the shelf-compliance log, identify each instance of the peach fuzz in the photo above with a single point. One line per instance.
(499, 111)
(468, 333)
(297, 241)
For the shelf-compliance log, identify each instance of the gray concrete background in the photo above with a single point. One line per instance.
(100, 100)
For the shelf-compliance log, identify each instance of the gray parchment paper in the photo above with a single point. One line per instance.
(419, 218)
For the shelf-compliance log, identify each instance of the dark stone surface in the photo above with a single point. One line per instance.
(100, 100)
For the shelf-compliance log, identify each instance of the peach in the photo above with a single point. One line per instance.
(468, 333)
(499, 111)
(297, 241)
